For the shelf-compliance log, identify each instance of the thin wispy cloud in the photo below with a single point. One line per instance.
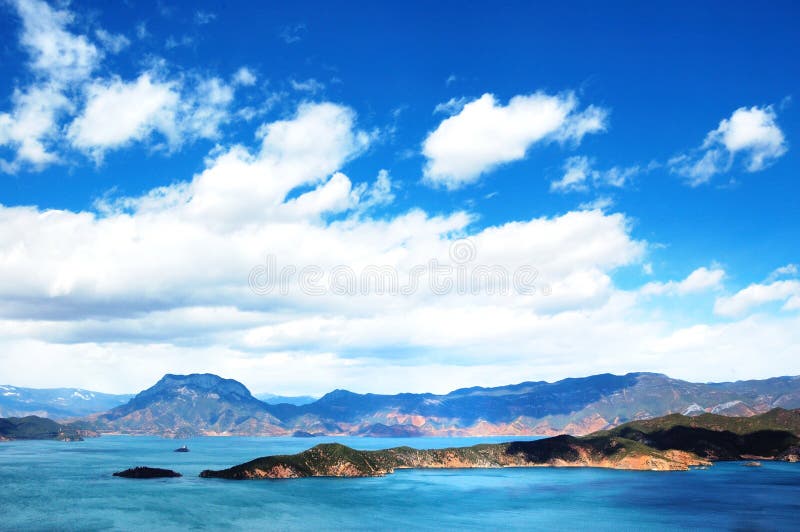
(580, 175)
(293, 33)
(309, 85)
(204, 17)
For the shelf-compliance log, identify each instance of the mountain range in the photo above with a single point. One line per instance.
(58, 403)
(204, 404)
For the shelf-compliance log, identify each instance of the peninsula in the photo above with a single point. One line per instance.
(39, 428)
(669, 443)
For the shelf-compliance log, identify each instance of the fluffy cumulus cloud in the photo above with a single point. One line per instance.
(751, 135)
(172, 264)
(117, 113)
(112, 298)
(485, 134)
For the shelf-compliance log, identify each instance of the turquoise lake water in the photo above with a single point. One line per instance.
(52, 485)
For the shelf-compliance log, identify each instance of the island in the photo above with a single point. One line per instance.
(670, 443)
(147, 472)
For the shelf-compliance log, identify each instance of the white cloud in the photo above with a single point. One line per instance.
(789, 270)
(756, 295)
(293, 33)
(576, 171)
(751, 131)
(380, 193)
(793, 303)
(205, 106)
(141, 31)
(114, 43)
(59, 60)
(56, 53)
(204, 17)
(173, 42)
(617, 176)
(579, 175)
(117, 113)
(452, 106)
(752, 135)
(140, 273)
(486, 134)
(700, 280)
(111, 112)
(157, 283)
(310, 85)
(30, 127)
(601, 203)
(699, 170)
(593, 119)
(244, 76)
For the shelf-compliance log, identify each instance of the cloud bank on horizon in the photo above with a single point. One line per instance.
(126, 273)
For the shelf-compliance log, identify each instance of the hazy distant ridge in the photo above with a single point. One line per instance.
(206, 404)
(57, 403)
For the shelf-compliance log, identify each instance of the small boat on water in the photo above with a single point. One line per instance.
(753, 464)
(182, 449)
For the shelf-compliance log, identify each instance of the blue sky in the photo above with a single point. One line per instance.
(639, 155)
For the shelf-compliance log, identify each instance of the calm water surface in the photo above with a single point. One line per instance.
(51, 485)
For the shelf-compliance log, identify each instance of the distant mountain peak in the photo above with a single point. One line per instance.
(338, 394)
(184, 405)
(203, 382)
